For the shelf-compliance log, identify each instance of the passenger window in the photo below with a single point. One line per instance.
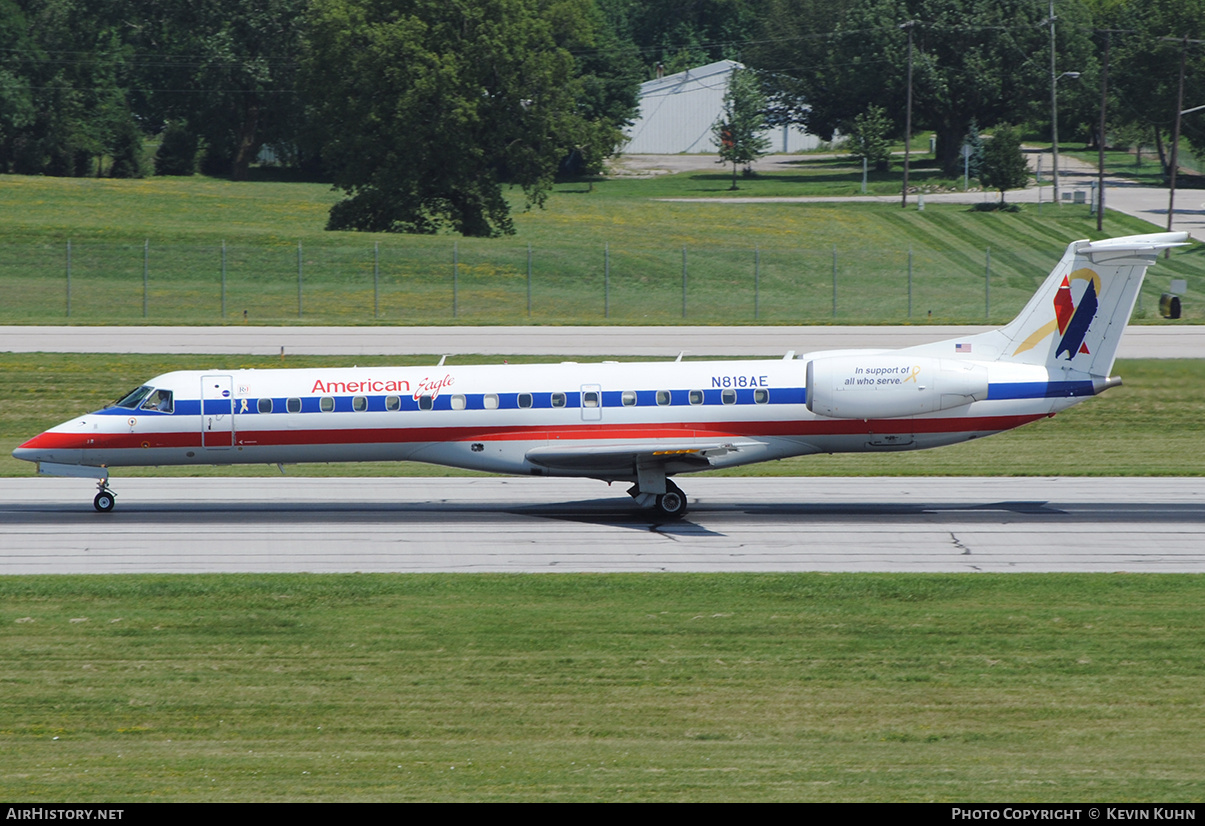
(393, 402)
(524, 400)
(558, 399)
(728, 397)
(359, 403)
(293, 405)
(490, 401)
(264, 405)
(628, 398)
(761, 396)
(326, 404)
(160, 400)
(663, 397)
(590, 398)
(696, 396)
(458, 402)
(426, 403)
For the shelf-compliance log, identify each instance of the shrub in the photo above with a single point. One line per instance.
(177, 153)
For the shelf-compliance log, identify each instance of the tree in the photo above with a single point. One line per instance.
(737, 132)
(224, 68)
(868, 138)
(127, 150)
(69, 66)
(609, 71)
(974, 140)
(987, 59)
(1145, 64)
(428, 107)
(1004, 166)
(17, 108)
(683, 34)
(177, 153)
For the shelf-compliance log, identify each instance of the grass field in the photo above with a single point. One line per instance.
(626, 687)
(1148, 427)
(808, 687)
(611, 254)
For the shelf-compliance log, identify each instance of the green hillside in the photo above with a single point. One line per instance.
(610, 252)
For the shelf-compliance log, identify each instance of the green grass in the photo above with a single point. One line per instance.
(1144, 170)
(1145, 428)
(658, 687)
(806, 176)
(746, 263)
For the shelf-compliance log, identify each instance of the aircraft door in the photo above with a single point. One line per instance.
(591, 402)
(217, 412)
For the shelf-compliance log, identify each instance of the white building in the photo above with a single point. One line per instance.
(678, 111)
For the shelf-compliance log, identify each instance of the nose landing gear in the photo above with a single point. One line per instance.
(105, 498)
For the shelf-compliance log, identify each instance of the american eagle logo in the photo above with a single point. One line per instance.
(1074, 319)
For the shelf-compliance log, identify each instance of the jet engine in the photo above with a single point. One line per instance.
(888, 386)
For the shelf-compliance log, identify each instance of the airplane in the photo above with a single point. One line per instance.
(642, 423)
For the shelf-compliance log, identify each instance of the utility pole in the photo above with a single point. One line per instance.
(1175, 160)
(908, 117)
(1180, 112)
(1104, 97)
(1054, 114)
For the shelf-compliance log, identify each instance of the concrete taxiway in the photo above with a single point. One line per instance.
(540, 525)
(587, 342)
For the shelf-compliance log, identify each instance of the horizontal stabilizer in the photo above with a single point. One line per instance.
(1074, 322)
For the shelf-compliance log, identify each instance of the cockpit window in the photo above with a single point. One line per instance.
(134, 397)
(160, 400)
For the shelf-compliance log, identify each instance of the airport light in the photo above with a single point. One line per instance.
(1054, 109)
(1175, 160)
(1054, 118)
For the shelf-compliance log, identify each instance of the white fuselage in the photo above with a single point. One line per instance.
(499, 418)
(640, 422)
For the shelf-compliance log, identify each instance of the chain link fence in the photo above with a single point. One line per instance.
(94, 282)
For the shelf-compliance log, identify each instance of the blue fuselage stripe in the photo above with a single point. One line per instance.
(544, 401)
(1040, 390)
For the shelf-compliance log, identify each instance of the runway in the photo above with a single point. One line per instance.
(540, 525)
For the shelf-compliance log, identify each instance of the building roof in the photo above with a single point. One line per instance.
(678, 111)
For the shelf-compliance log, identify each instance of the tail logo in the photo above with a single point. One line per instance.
(1074, 318)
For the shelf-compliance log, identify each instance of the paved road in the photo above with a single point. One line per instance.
(784, 524)
(1148, 203)
(589, 342)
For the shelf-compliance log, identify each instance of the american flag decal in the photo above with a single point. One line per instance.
(962, 348)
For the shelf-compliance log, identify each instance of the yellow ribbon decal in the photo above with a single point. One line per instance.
(1036, 337)
(912, 376)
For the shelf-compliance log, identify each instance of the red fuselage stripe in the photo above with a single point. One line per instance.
(796, 429)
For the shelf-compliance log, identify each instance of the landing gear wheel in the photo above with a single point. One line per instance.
(104, 501)
(672, 503)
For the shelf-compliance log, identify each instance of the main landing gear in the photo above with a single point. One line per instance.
(672, 503)
(669, 505)
(105, 498)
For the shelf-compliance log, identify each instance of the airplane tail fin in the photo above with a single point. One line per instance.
(1075, 320)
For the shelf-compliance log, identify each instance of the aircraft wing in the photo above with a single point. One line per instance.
(624, 459)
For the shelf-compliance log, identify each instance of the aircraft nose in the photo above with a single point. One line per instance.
(26, 454)
(45, 447)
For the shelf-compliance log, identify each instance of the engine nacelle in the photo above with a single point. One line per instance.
(889, 386)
